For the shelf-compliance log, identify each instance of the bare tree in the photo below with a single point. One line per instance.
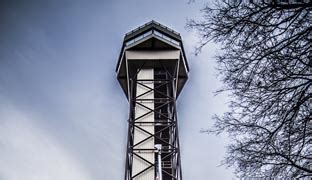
(266, 65)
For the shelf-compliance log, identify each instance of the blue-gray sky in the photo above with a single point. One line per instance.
(62, 113)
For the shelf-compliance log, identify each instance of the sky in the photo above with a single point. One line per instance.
(62, 113)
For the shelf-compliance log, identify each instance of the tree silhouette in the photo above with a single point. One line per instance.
(266, 65)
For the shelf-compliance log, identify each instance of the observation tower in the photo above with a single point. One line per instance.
(152, 70)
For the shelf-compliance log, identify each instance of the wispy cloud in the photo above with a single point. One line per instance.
(28, 151)
(62, 112)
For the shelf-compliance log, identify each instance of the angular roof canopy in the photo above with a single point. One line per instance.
(154, 37)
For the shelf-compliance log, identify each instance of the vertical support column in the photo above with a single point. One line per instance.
(177, 157)
(130, 137)
(143, 139)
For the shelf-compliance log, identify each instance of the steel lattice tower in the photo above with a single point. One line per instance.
(152, 70)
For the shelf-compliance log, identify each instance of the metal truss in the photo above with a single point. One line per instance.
(165, 124)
